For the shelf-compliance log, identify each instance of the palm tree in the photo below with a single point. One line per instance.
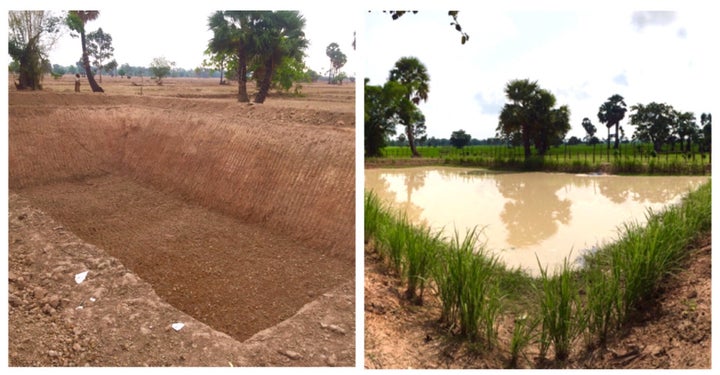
(233, 34)
(611, 113)
(685, 127)
(706, 123)
(515, 116)
(411, 74)
(77, 19)
(280, 34)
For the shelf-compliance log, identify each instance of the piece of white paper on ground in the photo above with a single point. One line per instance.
(178, 326)
(80, 277)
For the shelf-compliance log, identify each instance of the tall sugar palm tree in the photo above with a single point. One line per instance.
(279, 34)
(516, 116)
(413, 75)
(76, 20)
(233, 34)
(611, 113)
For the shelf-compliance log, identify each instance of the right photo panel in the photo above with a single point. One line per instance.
(537, 188)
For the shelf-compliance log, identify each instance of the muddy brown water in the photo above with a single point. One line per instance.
(527, 216)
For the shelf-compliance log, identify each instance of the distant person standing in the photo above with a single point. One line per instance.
(77, 82)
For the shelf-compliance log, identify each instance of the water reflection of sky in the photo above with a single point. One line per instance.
(527, 214)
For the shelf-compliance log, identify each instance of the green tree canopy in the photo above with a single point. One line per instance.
(281, 34)
(382, 105)
(100, 48)
(590, 129)
(234, 43)
(652, 122)
(161, 68)
(411, 74)
(686, 128)
(31, 35)
(337, 59)
(611, 113)
(531, 117)
(76, 21)
(706, 123)
(460, 139)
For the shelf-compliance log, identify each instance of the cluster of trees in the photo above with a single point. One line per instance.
(531, 119)
(337, 60)
(267, 46)
(256, 45)
(396, 103)
(660, 123)
(33, 33)
(655, 123)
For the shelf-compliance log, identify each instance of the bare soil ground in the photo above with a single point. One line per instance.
(674, 331)
(183, 206)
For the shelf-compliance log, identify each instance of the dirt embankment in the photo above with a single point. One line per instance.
(224, 216)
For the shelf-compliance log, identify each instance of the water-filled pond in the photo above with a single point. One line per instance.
(527, 216)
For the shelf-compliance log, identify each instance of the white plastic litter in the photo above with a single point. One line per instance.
(80, 277)
(92, 299)
(178, 326)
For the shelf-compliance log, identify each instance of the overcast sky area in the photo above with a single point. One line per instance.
(581, 56)
(179, 32)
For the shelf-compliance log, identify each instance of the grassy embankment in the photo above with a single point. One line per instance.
(629, 159)
(558, 309)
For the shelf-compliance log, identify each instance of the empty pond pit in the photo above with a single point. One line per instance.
(233, 216)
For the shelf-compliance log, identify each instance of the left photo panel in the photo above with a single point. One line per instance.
(181, 197)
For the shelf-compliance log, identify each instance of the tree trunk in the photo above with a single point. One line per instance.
(608, 147)
(30, 68)
(526, 142)
(617, 138)
(409, 130)
(265, 83)
(242, 75)
(86, 64)
(657, 145)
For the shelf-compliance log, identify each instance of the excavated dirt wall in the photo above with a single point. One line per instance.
(297, 179)
(237, 215)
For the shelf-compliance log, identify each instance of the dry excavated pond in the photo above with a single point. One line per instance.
(235, 215)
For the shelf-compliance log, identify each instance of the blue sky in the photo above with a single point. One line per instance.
(583, 56)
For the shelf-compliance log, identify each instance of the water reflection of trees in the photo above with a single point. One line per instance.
(413, 180)
(650, 189)
(533, 211)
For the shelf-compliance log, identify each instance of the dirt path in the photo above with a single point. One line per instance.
(675, 333)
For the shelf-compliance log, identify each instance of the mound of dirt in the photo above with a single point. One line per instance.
(226, 217)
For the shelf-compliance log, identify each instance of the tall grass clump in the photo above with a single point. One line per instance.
(420, 256)
(395, 238)
(376, 216)
(467, 279)
(603, 293)
(522, 336)
(560, 313)
(633, 267)
(411, 251)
